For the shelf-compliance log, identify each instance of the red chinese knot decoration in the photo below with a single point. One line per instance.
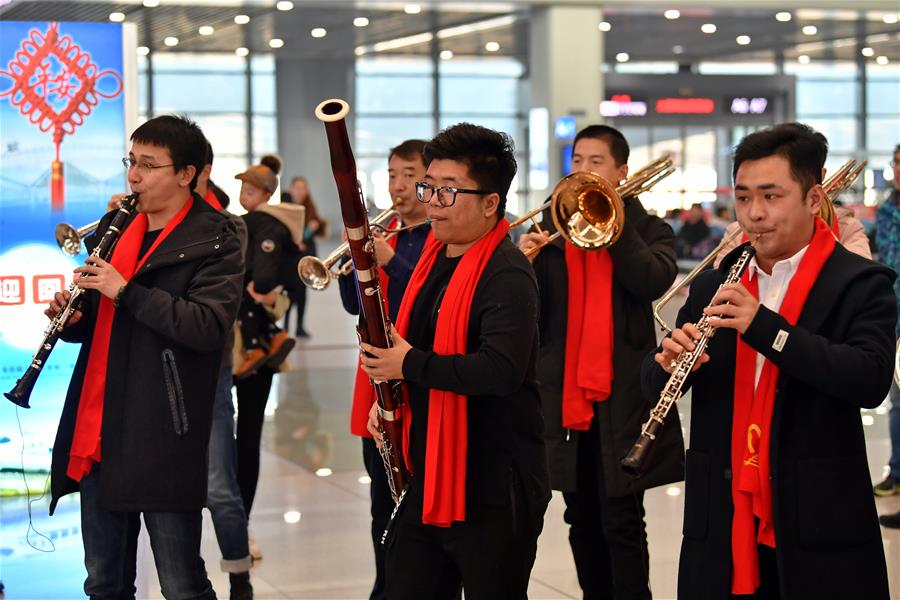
(55, 87)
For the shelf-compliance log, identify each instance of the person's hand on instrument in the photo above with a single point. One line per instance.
(56, 306)
(533, 240)
(385, 364)
(103, 277)
(682, 339)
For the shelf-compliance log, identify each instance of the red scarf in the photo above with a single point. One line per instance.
(85, 450)
(751, 487)
(445, 450)
(211, 199)
(588, 373)
(363, 392)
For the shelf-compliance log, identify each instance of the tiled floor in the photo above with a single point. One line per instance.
(314, 528)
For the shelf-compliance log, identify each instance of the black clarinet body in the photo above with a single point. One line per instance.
(21, 392)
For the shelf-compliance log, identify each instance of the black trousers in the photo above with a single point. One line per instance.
(382, 506)
(491, 553)
(252, 396)
(607, 535)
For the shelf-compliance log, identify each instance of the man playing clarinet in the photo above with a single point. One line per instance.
(804, 340)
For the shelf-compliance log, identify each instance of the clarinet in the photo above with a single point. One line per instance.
(20, 394)
(373, 327)
(634, 462)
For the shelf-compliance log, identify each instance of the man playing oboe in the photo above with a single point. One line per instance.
(135, 427)
(804, 340)
(466, 346)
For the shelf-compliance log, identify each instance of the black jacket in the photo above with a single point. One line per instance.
(272, 254)
(836, 360)
(164, 358)
(643, 269)
(497, 373)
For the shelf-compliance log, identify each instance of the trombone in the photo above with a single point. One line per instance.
(69, 239)
(587, 210)
(834, 186)
(316, 273)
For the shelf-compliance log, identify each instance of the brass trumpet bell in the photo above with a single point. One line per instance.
(587, 211)
(69, 239)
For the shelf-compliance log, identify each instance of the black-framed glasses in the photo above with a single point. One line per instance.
(446, 194)
(143, 166)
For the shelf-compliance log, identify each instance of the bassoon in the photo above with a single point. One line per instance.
(22, 391)
(373, 327)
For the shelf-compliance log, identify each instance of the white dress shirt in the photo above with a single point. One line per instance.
(773, 288)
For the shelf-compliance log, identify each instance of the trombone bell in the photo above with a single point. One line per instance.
(587, 211)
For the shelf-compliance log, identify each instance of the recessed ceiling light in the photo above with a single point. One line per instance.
(206, 30)
(292, 516)
(890, 19)
(323, 472)
(622, 57)
(284, 5)
(359, 50)
(810, 30)
(360, 22)
(604, 26)
(742, 40)
(241, 19)
(867, 51)
(142, 50)
(318, 32)
(672, 14)
(412, 9)
(242, 51)
(116, 17)
(708, 28)
(151, 3)
(446, 54)
(492, 46)
(882, 60)
(784, 17)
(171, 41)
(803, 59)
(276, 43)
(677, 49)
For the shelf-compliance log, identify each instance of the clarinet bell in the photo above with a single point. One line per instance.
(21, 393)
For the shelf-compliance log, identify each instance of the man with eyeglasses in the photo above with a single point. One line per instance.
(596, 327)
(465, 345)
(135, 427)
(396, 257)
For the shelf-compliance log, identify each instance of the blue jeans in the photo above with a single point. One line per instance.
(224, 496)
(110, 549)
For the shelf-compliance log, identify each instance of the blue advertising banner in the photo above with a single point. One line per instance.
(62, 137)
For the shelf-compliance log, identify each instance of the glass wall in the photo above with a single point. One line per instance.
(231, 98)
(413, 97)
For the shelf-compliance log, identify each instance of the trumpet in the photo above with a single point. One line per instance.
(316, 273)
(834, 186)
(587, 210)
(69, 239)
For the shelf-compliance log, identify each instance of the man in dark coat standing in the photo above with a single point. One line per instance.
(135, 426)
(775, 410)
(604, 507)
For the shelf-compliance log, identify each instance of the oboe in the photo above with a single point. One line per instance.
(22, 391)
(373, 323)
(634, 461)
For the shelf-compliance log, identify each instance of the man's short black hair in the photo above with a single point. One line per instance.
(180, 136)
(802, 146)
(489, 156)
(209, 153)
(409, 150)
(618, 145)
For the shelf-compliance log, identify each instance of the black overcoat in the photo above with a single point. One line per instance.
(836, 360)
(643, 269)
(165, 353)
